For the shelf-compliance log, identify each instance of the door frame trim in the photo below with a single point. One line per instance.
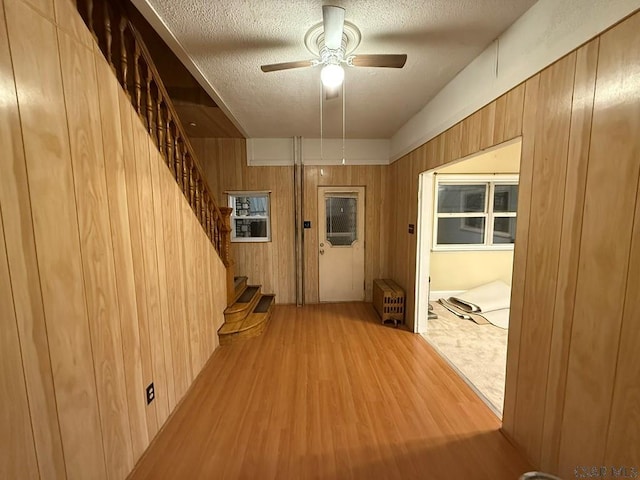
(344, 189)
(423, 254)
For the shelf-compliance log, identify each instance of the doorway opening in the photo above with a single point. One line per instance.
(467, 215)
(341, 213)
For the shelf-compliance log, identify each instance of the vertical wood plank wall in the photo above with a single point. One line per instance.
(373, 179)
(107, 281)
(99, 256)
(572, 372)
(273, 264)
(270, 264)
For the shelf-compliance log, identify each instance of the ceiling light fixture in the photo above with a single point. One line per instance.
(332, 75)
(332, 42)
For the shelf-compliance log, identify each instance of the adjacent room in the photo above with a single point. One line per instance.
(469, 228)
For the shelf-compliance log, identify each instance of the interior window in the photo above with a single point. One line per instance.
(250, 217)
(475, 212)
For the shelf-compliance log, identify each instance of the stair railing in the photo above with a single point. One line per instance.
(124, 50)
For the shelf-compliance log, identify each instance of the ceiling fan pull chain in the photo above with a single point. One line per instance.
(321, 112)
(343, 119)
(497, 55)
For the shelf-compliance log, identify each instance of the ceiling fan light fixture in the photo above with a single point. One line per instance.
(332, 75)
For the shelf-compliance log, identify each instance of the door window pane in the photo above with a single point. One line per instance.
(341, 220)
(461, 230)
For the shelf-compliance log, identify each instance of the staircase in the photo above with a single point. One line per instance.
(248, 313)
(121, 44)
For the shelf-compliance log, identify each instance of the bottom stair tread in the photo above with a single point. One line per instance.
(253, 322)
(264, 303)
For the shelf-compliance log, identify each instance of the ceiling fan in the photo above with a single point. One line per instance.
(333, 42)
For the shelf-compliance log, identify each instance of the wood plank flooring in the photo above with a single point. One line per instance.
(329, 392)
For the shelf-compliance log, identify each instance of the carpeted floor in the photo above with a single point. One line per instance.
(478, 352)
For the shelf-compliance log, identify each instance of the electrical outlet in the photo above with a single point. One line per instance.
(151, 393)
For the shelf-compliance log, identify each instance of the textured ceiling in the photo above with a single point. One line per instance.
(228, 40)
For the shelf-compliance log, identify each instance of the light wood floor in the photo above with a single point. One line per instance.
(328, 392)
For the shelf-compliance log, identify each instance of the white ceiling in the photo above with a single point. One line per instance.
(228, 40)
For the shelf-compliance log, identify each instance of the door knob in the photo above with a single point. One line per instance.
(322, 251)
(322, 244)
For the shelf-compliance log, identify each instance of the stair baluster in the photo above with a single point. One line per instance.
(150, 124)
(136, 78)
(192, 187)
(124, 61)
(169, 157)
(133, 66)
(160, 125)
(107, 35)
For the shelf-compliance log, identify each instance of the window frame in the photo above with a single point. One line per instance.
(231, 196)
(489, 215)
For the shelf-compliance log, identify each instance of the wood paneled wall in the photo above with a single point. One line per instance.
(477, 132)
(270, 264)
(373, 179)
(572, 375)
(107, 281)
(273, 264)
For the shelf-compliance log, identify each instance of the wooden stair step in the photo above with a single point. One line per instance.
(243, 305)
(248, 294)
(252, 326)
(239, 286)
(237, 281)
(264, 304)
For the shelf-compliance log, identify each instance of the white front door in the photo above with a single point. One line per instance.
(341, 243)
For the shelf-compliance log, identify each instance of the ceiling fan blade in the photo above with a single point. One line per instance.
(274, 67)
(389, 61)
(333, 23)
